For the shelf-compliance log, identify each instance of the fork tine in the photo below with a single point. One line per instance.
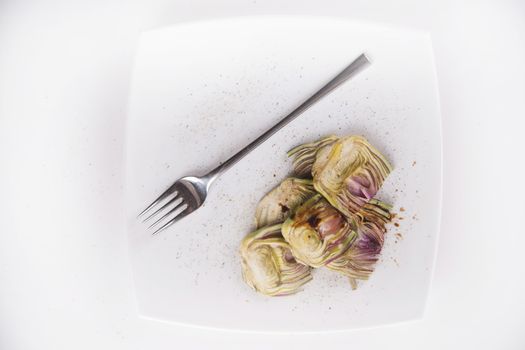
(177, 217)
(178, 206)
(163, 207)
(164, 194)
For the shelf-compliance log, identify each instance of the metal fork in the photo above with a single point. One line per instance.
(187, 194)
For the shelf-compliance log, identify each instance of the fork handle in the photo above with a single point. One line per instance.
(347, 73)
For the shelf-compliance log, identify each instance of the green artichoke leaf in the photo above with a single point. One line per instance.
(304, 155)
(268, 265)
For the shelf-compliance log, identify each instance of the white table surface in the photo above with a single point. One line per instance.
(65, 278)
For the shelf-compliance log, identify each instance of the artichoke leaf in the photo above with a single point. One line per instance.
(304, 155)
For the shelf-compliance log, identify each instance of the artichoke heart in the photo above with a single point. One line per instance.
(349, 172)
(358, 261)
(280, 202)
(318, 233)
(268, 265)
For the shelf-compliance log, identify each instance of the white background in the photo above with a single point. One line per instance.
(64, 271)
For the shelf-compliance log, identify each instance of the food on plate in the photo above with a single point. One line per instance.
(318, 233)
(268, 265)
(327, 218)
(358, 261)
(280, 202)
(347, 171)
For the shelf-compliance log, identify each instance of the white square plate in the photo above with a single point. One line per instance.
(201, 91)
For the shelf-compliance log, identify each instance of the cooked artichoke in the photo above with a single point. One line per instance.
(358, 261)
(268, 265)
(318, 233)
(347, 171)
(331, 220)
(280, 202)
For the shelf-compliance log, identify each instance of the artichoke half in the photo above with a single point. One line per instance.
(268, 265)
(280, 202)
(358, 261)
(317, 233)
(347, 171)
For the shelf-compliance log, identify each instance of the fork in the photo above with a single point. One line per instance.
(188, 193)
